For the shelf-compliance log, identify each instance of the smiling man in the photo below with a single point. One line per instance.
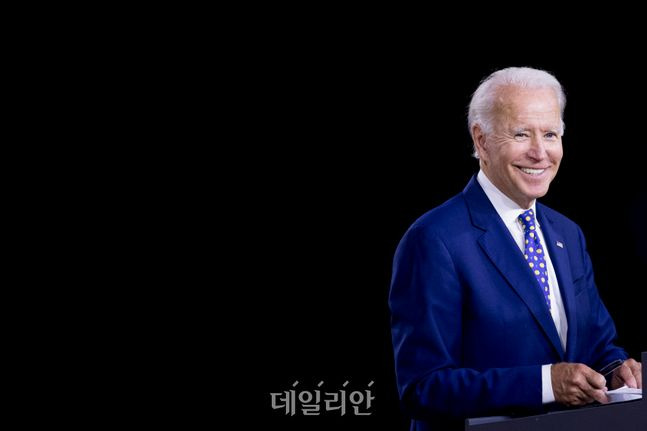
(493, 301)
(521, 147)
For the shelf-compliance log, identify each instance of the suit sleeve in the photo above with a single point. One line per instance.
(600, 334)
(426, 303)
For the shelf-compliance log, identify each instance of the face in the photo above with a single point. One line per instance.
(522, 154)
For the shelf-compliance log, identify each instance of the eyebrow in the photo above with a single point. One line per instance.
(527, 129)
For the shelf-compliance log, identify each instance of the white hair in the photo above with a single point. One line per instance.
(484, 99)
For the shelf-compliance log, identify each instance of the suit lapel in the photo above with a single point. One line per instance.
(559, 259)
(500, 247)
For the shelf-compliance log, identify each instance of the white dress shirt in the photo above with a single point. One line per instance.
(509, 212)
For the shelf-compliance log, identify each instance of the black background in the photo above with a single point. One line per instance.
(353, 142)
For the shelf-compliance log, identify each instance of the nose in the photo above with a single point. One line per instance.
(537, 150)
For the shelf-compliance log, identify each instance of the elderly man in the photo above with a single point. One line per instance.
(494, 306)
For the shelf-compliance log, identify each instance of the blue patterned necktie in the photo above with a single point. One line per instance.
(534, 252)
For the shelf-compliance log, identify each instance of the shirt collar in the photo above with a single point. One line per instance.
(507, 209)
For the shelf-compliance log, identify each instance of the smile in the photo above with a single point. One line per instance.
(530, 171)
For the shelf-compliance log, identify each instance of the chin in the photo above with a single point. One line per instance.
(536, 194)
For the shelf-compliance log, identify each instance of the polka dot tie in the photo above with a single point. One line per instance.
(534, 252)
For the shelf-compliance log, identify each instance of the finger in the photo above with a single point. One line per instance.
(625, 374)
(581, 400)
(596, 380)
(594, 392)
(599, 395)
(631, 363)
(638, 375)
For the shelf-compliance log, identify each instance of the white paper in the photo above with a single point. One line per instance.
(624, 394)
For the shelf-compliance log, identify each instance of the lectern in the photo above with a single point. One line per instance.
(623, 416)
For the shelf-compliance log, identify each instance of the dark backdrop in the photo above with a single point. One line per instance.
(356, 142)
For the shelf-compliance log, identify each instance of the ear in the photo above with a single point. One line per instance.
(478, 138)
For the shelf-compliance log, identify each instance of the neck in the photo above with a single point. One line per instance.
(522, 203)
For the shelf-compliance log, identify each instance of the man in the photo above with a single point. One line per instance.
(494, 306)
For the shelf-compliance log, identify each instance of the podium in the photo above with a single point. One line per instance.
(622, 416)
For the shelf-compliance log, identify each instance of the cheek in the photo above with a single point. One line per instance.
(510, 152)
(557, 153)
(511, 157)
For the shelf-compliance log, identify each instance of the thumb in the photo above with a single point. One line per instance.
(625, 374)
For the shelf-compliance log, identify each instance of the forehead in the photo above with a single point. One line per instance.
(519, 104)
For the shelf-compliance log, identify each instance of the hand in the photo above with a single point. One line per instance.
(629, 373)
(577, 384)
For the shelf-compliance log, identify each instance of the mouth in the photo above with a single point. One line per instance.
(532, 171)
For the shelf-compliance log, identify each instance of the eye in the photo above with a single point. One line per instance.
(521, 135)
(551, 135)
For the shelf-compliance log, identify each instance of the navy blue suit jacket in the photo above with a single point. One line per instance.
(469, 323)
